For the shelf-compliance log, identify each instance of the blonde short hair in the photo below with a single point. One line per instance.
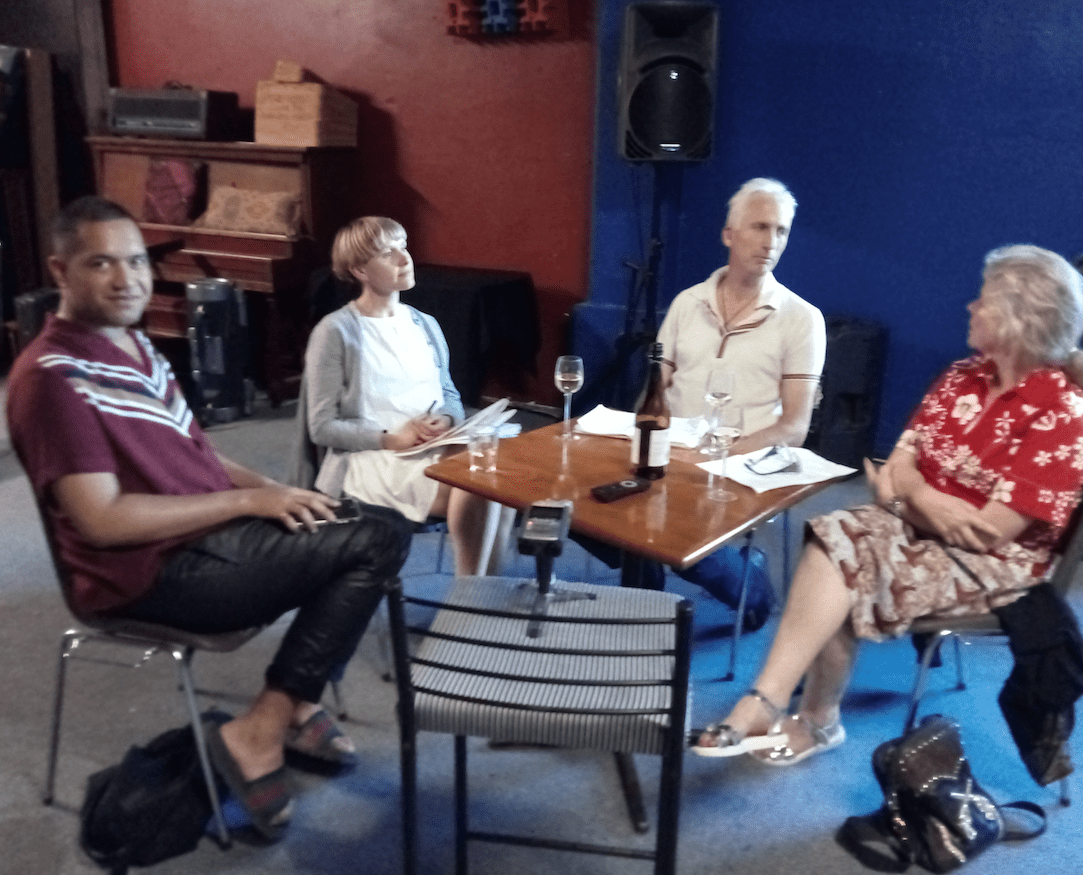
(1039, 301)
(359, 241)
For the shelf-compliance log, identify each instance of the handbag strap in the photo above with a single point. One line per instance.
(1016, 832)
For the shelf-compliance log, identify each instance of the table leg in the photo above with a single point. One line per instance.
(739, 621)
(635, 571)
(633, 794)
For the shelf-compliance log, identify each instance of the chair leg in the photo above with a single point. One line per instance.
(440, 550)
(383, 642)
(68, 642)
(407, 726)
(669, 806)
(633, 791)
(183, 659)
(408, 766)
(960, 681)
(462, 816)
(931, 648)
(1065, 795)
(739, 622)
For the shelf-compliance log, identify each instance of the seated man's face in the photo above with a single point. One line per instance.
(758, 236)
(105, 280)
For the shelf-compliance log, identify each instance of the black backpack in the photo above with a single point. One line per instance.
(152, 806)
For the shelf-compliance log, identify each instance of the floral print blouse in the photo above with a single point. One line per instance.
(1025, 450)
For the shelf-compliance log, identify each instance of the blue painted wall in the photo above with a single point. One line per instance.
(916, 136)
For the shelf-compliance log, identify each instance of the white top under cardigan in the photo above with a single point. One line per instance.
(330, 409)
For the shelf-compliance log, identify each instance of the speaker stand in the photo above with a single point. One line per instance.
(619, 385)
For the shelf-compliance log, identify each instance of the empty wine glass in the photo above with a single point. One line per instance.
(568, 377)
(725, 427)
(717, 393)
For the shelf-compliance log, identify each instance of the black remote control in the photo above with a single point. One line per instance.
(612, 491)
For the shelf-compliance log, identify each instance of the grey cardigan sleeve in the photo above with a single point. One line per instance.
(332, 379)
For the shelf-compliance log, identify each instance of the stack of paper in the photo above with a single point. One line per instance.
(496, 415)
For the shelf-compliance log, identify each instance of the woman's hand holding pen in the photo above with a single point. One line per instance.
(418, 430)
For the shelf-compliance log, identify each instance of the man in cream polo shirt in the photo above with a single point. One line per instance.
(744, 321)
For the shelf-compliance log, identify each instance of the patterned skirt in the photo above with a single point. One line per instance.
(896, 575)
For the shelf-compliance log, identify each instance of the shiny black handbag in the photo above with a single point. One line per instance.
(935, 812)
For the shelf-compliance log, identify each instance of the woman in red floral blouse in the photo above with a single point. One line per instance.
(968, 509)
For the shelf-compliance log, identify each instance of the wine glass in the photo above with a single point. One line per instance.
(725, 427)
(717, 393)
(568, 377)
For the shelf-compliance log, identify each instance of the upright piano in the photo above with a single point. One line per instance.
(272, 268)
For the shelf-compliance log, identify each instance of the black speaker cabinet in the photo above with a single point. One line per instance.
(666, 83)
(843, 425)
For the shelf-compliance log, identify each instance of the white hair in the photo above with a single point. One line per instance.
(1039, 301)
(760, 185)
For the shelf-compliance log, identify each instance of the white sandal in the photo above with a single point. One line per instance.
(823, 738)
(728, 742)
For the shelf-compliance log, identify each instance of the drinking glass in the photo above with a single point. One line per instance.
(482, 444)
(725, 427)
(717, 393)
(568, 377)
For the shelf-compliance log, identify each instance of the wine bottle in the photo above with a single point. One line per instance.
(650, 441)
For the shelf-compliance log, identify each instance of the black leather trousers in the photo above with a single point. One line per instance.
(253, 571)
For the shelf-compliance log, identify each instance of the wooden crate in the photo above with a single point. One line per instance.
(304, 114)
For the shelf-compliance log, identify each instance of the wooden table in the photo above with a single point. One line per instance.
(673, 522)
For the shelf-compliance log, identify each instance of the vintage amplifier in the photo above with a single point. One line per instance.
(186, 113)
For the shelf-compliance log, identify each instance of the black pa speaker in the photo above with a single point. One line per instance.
(666, 85)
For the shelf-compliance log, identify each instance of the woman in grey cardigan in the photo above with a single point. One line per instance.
(376, 381)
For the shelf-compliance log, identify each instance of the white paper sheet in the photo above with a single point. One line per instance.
(814, 469)
(620, 423)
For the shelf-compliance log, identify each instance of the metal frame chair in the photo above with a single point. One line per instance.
(150, 638)
(596, 667)
(939, 629)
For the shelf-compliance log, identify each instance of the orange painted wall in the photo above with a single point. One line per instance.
(482, 149)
